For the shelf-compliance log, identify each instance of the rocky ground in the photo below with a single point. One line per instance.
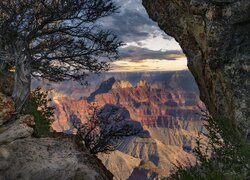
(25, 157)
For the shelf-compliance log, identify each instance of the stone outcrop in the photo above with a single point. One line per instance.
(215, 37)
(7, 107)
(49, 158)
(146, 170)
(21, 128)
(120, 84)
(104, 87)
(142, 83)
(58, 157)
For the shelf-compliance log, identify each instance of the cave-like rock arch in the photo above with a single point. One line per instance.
(215, 36)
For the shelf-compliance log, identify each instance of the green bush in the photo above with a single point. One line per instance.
(38, 106)
(225, 155)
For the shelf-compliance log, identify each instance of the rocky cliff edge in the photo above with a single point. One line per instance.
(25, 157)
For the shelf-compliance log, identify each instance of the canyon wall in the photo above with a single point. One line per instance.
(215, 36)
(166, 112)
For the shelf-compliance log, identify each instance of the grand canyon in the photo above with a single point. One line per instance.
(167, 108)
(152, 61)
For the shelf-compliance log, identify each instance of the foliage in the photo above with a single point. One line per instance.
(226, 155)
(38, 106)
(54, 39)
(61, 39)
(104, 128)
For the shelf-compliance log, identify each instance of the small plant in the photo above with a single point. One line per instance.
(104, 128)
(38, 106)
(226, 154)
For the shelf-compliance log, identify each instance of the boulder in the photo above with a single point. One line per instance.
(57, 158)
(120, 84)
(18, 130)
(7, 108)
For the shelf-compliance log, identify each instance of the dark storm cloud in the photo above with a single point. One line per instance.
(137, 54)
(131, 23)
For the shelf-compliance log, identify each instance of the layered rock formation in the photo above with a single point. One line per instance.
(25, 157)
(120, 84)
(104, 87)
(215, 37)
(154, 107)
(169, 115)
(142, 83)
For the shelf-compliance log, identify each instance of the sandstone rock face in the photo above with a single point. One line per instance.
(215, 37)
(104, 87)
(7, 107)
(142, 83)
(168, 115)
(121, 164)
(49, 158)
(121, 84)
(17, 130)
(155, 107)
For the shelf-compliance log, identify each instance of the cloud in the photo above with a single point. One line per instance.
(147, 47)
(132, 23)
(137, 54)
(149, 65)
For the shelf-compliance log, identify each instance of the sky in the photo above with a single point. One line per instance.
(147, 48)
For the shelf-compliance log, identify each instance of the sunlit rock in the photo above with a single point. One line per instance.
(142, 83)
(120, 84)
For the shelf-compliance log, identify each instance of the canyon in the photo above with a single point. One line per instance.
(215, 37)
(170, 116)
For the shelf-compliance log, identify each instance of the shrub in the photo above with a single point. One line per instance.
(38, 106)
(226, 155)
(104, 128)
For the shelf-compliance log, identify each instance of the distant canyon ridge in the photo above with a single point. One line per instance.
(168, 108)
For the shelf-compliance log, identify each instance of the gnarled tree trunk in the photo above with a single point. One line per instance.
(22, 82)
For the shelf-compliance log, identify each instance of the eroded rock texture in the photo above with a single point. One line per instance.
(49, 158)
(215, 36)
(25, 157)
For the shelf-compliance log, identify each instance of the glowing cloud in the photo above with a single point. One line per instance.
(149, 65)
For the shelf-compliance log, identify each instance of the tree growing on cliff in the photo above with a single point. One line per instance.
(225, 154)
(104, 128)
(54, 39)
(39, 106)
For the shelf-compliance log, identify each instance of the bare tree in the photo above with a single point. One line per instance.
(54, 39)
(105, 127)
